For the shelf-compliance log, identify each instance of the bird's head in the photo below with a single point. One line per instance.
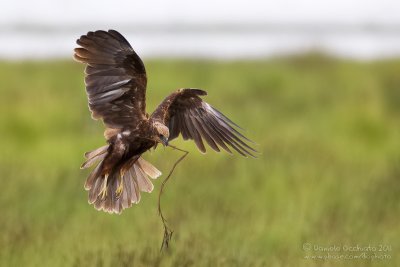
(161, 133)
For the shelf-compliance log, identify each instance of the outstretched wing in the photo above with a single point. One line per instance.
(115, 78)
(184, 112)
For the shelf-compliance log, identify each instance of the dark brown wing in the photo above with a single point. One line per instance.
(184, 112)
(115, 78)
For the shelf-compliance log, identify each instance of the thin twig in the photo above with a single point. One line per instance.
(167, 231)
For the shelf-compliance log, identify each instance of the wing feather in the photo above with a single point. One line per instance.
(216, 136)
(185, 113)
(227, 137)
(230, 132)
(212, 132)
(193, 132)
(174, 128)
(184, 128)
(204, 132)
(115, 78)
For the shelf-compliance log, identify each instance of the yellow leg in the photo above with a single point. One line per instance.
(121, 184)
(103, 191)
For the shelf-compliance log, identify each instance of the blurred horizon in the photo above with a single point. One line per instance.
(362, 30)
(219, 41)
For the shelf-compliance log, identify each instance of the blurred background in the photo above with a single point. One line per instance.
(314, 83)
(212, 29)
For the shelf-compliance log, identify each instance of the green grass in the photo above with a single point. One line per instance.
(329, 172)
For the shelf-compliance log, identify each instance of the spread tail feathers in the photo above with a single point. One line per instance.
(116, 191)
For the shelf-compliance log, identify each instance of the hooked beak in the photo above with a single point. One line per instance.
(164, 140)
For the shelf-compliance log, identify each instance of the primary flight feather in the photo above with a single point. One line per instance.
(115, 79)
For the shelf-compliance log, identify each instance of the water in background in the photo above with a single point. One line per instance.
(221, 41)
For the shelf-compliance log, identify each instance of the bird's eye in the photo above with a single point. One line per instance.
(160, 135)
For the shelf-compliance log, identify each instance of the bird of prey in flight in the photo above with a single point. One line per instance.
(115, 79)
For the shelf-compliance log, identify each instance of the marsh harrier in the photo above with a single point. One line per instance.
(115, 79)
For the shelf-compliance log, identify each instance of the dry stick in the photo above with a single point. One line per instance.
(167, 231)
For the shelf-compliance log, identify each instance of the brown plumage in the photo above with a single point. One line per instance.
(116, 89)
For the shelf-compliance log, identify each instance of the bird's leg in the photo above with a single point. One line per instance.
(120, 188)
(103, 191)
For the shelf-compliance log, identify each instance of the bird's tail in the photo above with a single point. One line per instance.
(116, 191)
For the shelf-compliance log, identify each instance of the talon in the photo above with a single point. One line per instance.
(120, 187)
(122, 172)
(103, 191)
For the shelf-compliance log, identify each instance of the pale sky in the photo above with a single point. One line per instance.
(55, 12)
(68, 19)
